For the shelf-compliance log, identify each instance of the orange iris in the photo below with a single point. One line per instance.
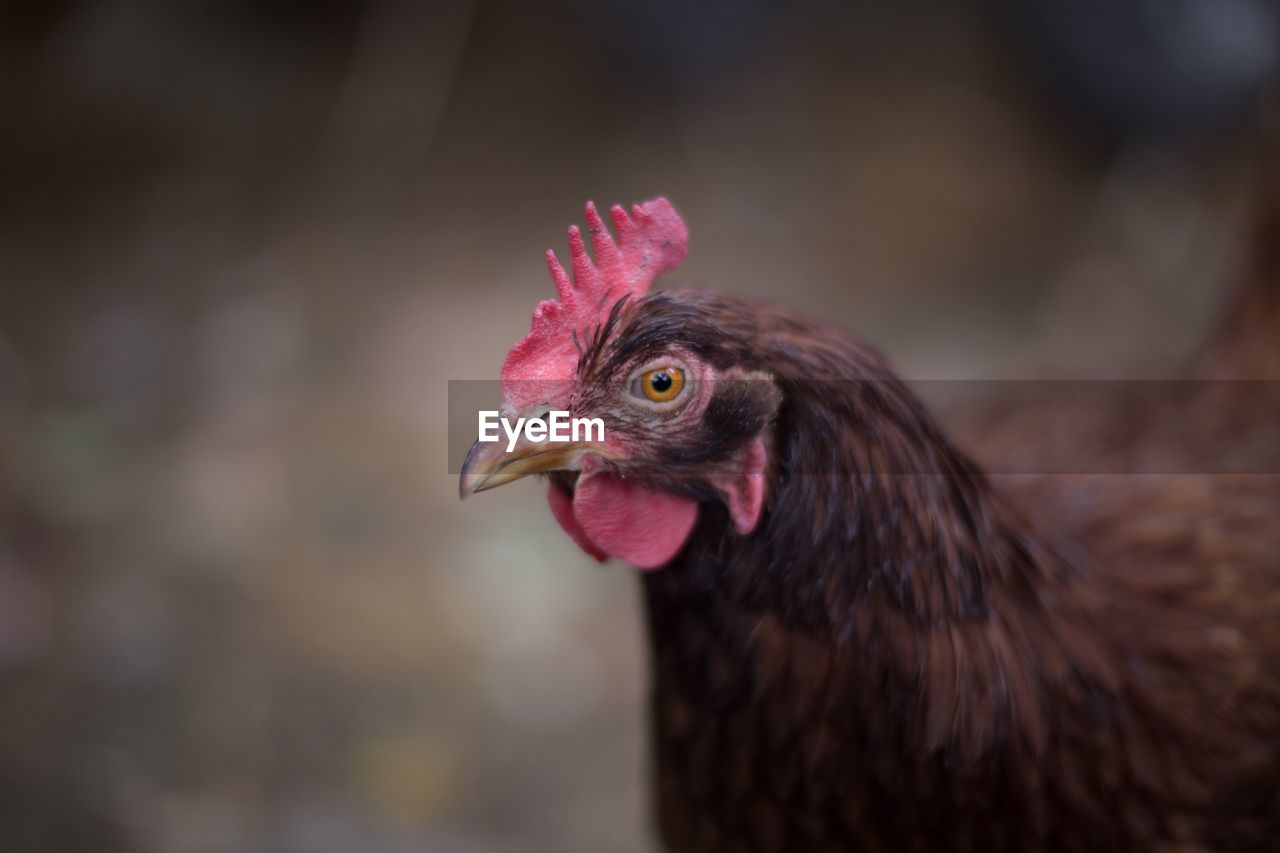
(662, 384)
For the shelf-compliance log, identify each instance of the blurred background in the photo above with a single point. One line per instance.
(244, 246)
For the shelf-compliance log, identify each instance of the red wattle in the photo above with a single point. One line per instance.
(624, 519)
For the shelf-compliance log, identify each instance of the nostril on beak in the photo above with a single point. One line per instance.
(539, 414)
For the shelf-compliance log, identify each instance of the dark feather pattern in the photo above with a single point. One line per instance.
(908, 655)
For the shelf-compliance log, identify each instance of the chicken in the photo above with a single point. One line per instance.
(860, 641)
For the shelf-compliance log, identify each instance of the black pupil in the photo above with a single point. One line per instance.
(660, 382)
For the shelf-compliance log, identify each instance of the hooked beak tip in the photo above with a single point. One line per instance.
(476, 469)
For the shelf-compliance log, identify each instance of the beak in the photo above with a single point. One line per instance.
(489, 464)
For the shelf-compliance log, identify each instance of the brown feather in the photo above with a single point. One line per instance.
(909, 655)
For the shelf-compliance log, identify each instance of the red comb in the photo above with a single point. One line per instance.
(651, 241)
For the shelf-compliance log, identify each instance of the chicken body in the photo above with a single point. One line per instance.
(906, 655)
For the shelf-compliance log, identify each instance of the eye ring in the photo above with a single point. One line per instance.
(659, 384)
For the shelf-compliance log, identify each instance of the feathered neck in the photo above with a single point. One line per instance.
(888, 584)
(867, 501)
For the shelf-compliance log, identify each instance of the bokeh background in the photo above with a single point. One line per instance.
(244, 246)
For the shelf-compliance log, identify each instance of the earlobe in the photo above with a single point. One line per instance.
(744, 489)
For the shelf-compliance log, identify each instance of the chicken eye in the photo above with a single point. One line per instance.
(662, 384)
